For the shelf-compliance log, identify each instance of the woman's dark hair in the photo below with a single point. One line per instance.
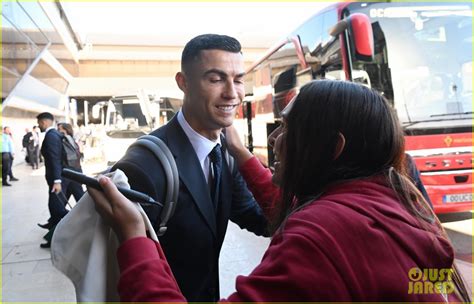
(373, 138)
(67, 127)
(374, 145)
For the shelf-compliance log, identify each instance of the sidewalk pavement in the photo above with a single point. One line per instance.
(27, 272)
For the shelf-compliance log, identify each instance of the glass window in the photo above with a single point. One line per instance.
(9, 80)
(49, 76)
(322, 51)
(422, 51)
(18, 52)
(329, 20)
(14, 12)
(34, 10)
(57, 48)
(311, 33)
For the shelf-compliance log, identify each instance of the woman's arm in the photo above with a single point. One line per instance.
(257, 177)
(293, 269)
(145, 275)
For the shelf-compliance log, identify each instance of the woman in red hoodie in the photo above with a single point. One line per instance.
(348, 224)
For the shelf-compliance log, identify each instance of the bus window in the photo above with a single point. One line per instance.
(322, 51)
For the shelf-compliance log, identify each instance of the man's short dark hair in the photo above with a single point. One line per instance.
(200, 43)
(45, 115)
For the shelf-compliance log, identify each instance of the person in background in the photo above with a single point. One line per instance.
(68, 132)
(24, 144)
(35, 149)
(81, 139)
(416, 177)
(348, 224)
(74, 188)
(7, 159)
(31, 144)
(52, 152)
(8, 131)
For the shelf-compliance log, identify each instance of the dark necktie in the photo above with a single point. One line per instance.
(216, 162)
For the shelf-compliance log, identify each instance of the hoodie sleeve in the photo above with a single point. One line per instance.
(294, 268)
(259, 181)
(145, 275)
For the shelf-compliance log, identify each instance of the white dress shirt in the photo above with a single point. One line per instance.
(47, 130)
(202, 146)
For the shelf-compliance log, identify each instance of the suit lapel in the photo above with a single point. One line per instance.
(190, 172)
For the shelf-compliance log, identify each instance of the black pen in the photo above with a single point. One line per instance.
(132, 195)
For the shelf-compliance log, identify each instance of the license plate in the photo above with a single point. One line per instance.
(457, 198)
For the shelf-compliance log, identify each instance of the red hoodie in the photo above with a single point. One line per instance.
(354, 243)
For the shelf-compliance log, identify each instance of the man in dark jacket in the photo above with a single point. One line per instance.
(211, 191)
(51, 150)
(31, 144)
(53, 154)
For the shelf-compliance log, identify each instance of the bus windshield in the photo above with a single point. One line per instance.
(427, 53)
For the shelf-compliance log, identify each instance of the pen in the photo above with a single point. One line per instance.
(132, 195)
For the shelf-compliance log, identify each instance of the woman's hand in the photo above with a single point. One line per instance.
(235, 147)
(117, 211)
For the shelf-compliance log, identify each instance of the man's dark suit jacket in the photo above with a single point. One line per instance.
(51, 149)
(195, 233)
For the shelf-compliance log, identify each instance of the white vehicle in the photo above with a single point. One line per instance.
(131, 116)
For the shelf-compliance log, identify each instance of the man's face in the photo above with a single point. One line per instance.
(43, 124)
(277, 140)
(214, 89)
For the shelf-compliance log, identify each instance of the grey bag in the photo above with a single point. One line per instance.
(164, 156)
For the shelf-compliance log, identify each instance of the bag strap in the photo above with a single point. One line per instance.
(164, 155)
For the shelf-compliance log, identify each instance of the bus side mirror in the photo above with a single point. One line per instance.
(360, 33)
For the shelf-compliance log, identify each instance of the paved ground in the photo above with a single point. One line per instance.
(28, 275)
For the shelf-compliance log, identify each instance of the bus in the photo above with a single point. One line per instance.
(417, 55)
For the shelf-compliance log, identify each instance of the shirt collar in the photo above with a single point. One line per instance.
(202, 145)
(49, 128)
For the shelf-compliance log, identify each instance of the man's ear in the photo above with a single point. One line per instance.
(181, 82)
(341, 143)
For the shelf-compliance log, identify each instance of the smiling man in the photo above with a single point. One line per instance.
(211, 191)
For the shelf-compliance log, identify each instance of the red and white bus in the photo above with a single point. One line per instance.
(418, 55)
